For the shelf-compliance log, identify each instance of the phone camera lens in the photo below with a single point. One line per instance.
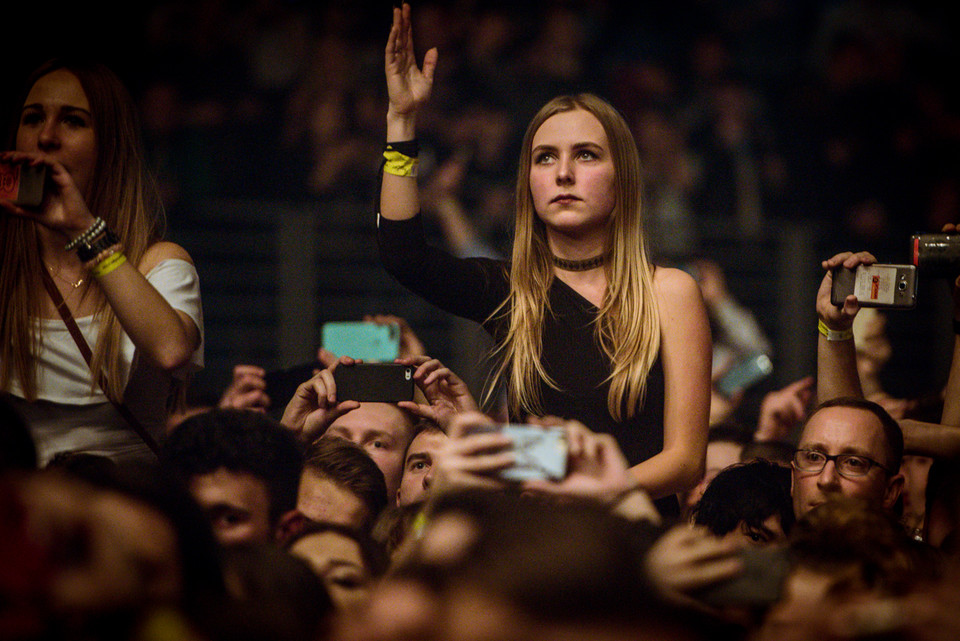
(902, 286)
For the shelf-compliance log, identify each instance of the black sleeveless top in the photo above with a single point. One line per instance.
(474, 287)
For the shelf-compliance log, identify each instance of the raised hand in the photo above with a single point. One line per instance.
(782, 409)
(247, 390)
(472, 459)
(63, 208)
(840, 318)
(447, 395)
(314, 405)
(408, 86)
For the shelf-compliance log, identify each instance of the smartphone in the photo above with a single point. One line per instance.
(744, 374)
(374, 382)
(764, 571)
(541, 452)
(888, 286)
(369, 342)
(22, 184)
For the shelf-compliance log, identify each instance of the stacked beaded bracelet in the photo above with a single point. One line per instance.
(89, 234)
(833, 334)
(106, 261)
(400, 158)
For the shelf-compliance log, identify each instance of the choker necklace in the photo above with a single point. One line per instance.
(577, 265)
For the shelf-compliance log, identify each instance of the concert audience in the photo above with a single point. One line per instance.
(394, 521)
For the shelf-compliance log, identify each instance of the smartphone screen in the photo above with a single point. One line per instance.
(369, 342)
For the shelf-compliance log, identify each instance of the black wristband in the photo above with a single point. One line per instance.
(88, 251)
(409, 148)
(956, 326)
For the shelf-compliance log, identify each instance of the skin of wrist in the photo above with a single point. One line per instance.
(400, 126)
(837, 326)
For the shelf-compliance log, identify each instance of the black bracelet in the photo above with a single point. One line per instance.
(90, 250)
(956, 326)
(409, 148)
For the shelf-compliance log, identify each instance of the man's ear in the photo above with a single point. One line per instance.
(892, 493)
(289, 525)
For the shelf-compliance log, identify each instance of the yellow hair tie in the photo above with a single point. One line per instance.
(108, 264)
(399, 164)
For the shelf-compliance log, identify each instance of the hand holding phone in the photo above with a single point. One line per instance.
(374, 382)
(887, 286)
(21, 183)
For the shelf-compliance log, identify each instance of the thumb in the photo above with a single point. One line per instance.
(430, 63)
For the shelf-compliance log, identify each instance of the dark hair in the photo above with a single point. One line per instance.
(893, 435)
(848, 533)
(347, 465)
(373, 553)
(240, 441)
(278, 596)
(773, 451)
(748, 492)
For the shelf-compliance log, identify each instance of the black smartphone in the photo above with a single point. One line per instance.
(744, 374)
(374, 382)
(888, 286)
(22, 183)
(764, 571)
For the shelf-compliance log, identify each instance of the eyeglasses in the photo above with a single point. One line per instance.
(848, 465)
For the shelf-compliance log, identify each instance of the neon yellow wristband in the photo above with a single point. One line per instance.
(399, 164)
(832, 334)
(108, 264)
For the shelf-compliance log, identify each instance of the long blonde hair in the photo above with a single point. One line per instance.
(123, 194)
(628, 324)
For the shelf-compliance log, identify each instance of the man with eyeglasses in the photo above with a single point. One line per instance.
(848, 447)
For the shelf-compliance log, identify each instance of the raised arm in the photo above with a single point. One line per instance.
(686, 356)
(408, 88)
(836, 352)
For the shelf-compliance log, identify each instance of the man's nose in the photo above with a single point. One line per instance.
(829, 476)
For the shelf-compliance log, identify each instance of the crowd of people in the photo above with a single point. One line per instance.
(604, 486)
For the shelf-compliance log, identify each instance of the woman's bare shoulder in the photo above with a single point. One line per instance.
(674, 285)
(161, 251)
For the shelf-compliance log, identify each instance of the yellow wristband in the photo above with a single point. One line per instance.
(108, 264)
(832, 334)
(398, 164)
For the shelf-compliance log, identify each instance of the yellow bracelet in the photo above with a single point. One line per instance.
(108, 264)
(399, 164)
(833, 334)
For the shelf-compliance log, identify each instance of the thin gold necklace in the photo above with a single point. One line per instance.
(56, 274)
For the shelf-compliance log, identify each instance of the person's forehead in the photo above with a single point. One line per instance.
(59, 88)
(426, 441)
(236, 488)
(373, 417)
(566, 127)
(844, 429)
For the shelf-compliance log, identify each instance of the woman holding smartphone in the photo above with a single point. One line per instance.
(585, 326)
(87, 268)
